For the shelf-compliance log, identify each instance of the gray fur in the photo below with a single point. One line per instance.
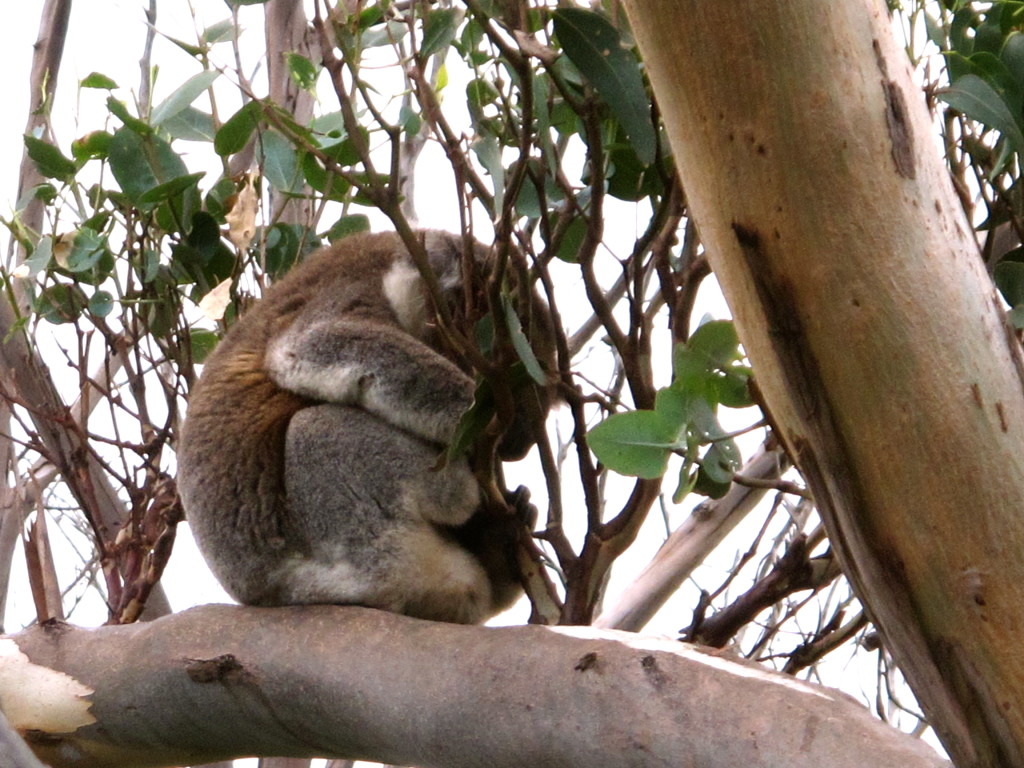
(308, 463)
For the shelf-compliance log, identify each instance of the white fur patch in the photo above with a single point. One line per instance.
(315, 581)
(34, 697)
(403, 288)
(335, 383)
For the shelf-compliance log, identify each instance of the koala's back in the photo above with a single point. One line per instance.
(302, 499)
(231, 456)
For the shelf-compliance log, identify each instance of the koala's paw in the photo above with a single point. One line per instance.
(519, 502)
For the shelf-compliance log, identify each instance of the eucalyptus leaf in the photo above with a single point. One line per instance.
(302, 71)
(636, 443)
(1009, 279)
(439, 30)
(721, 461)
(595, 47)
(50, 161)
(101, 304)
(521, 343)
(279, 162)
(170, 189)
(980, 101)
(60, 303)
(97, 80)
(142, 163)
(348, 225)
(87, 249)
(489, 153)
(222, 31)
(190, 124)
(202, 343)
(186, 93)
(235, 133)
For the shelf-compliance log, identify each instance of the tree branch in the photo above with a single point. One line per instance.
(344, 682)
(688, 546)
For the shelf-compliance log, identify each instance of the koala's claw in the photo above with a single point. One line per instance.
(519, 501)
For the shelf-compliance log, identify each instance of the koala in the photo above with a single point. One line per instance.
(309, 460)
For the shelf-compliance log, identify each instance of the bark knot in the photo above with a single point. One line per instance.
(225, 667)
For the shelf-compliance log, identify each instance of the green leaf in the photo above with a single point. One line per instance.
(91, 146)
(481, 91)
(284, 244)
(1016, 317)
(980, 101)
(936, 34)
(473, 422)
(190, 124)
(49, 160)
(1012, 56)
(705, 485)
(328, 184)
(489, 154)
(203, 258)
(101, 304)
(595, 47)
(170, 189)
(60, 303)
(439, 30)
(637, 443)
(388, 33)
(196, 51)
(348, 225)
(1009, 279)
(235, 133)
(721, 462)
(41, 255)
(45, 192)
(97, 80)
(521, 344)
(709, 365)
(87, 249)
(142, 163)
(410, 120)
(674, 406)
(716, 343)
(202, 343)
(120, 111)
(220, 32)
(188, 92)
(302, 70)
(279, 162)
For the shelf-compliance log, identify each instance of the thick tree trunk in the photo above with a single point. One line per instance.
(225, 681)
(881, 350)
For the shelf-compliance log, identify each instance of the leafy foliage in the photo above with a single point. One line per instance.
(983, 46)
(708, 373)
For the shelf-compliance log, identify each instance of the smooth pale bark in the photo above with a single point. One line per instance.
(225, 681)
(812, 171)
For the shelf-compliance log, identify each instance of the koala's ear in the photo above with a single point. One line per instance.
(444, 252)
